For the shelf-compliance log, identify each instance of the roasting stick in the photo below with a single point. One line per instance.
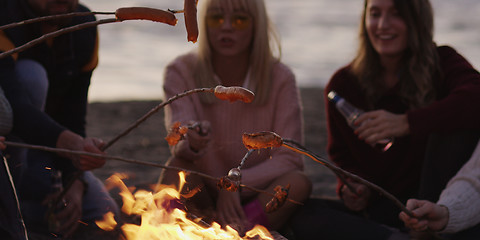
(55, 34)
(51, 17)
(221, 92)
(324, 162)
(122, 14)
(350, 175)
(133, 161)
(300, 149)
(271, 139)
(17, 202)
(153, 111)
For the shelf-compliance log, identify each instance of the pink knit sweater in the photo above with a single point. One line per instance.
(462, 196)
(281, 114)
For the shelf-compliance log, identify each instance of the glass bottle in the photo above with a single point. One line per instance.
(351, 113)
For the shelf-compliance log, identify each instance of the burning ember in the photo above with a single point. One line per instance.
(162, 216)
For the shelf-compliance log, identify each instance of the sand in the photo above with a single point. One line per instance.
(146, 143)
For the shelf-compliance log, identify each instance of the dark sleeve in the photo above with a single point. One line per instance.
(74, 104)
(342, 143)
(459, 108)
(29, 123)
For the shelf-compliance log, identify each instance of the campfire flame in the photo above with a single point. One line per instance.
(160, 219)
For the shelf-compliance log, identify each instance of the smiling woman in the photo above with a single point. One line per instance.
(411, 90)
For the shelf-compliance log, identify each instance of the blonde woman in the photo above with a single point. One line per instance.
(236, 48)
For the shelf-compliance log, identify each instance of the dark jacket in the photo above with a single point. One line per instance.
(69, 61)
(398, 170)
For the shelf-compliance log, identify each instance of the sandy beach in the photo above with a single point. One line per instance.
(146, 143)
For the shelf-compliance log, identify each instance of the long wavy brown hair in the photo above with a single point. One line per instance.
(418, 66)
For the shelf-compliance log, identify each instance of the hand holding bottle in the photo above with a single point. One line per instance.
(357, 119)
(377, 125)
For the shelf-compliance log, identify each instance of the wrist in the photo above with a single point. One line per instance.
(69, 140)
(444, 217)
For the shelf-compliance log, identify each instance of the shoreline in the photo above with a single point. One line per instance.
(146, 143)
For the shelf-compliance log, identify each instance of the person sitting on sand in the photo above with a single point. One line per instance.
(47, 88)
(410, 88)
(235, 50)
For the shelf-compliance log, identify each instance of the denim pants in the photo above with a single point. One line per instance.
(35, 181)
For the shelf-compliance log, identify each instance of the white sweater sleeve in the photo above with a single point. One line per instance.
(462, 196)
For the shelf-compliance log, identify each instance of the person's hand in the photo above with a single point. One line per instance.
(353, 201)
(69, 217)
(2, 143)
(71, 141)
(199, 136)
(230, 211)
(377, 125)
(428, 215)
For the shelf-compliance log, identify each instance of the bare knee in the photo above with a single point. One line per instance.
(300, 185)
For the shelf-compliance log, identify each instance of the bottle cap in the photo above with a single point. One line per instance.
(333, 96)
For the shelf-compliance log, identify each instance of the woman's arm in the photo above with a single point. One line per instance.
(287, 123)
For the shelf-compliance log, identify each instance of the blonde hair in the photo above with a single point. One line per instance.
(419, 63)
(262, 56)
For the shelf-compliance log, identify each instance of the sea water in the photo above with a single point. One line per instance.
(318, 37)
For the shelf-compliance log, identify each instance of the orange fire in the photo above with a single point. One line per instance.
(160, 221)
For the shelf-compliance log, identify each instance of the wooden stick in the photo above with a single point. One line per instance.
(51, 17)
(153, 111)
(223, 93)
(350, 175)
(55, 34)
(14, 191)
(178, 169)
(324, 162)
